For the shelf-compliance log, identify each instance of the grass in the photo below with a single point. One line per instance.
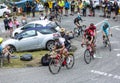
(17, 63)
(35, 62)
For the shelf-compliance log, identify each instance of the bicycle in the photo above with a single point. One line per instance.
(59, 61)
(79, 31)
(106, 42)
(88, 53)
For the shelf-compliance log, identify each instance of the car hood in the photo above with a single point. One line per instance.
(8, 42)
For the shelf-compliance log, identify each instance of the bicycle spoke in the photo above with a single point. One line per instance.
(87, 56)
(70, 61)
(54, 66)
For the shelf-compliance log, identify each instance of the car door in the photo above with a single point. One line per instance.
(28, 40)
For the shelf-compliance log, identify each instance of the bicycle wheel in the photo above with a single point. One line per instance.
(54, 66)
(76, 32)
(109, 45)
(70, 61)
(87, 56)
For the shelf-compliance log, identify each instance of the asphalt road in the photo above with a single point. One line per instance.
(105, 68)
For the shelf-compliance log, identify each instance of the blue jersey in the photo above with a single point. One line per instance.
(106, 31)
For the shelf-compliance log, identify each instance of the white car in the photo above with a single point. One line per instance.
(96, 3)
(32, 38)
(37, 23)
(4, 10)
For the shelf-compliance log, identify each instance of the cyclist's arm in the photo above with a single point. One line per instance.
(91, 40)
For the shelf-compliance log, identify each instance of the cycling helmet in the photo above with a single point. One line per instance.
(1, 39)
(91, 24)
(62, 30)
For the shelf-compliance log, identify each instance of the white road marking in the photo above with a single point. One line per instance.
(116, 49)
(105, 74)
(117, 29)
(114, 27)
(100, 22)
(118, 54)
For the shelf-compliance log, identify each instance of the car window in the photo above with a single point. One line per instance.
(52, 24)
(38, 25)
(1, 7)
(30, 33)
(28, 26)
(47, 31)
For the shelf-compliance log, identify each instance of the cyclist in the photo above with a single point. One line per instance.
(88, 38)
(77, 19)
(106, 29)
(60, 46)
(67, 37)
(93, 28)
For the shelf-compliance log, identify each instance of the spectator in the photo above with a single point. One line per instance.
(33, 8)
(40, 7)
(91, 9)
(116, 10)
(84, 8)
(24, 19)
(7, 53)
(46, 5)
(109, 9)
(67, 6)
(42, 17)
(10, 26)
(50, 5)
(28, 8)
(16, 23)
(61, 6)
(6, 21)
(15, 10)
(72, 7)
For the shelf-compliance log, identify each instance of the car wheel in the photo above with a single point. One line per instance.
(50, 44)
(12, 48)
(15, 34)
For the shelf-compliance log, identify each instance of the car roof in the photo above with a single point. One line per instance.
(43, 22)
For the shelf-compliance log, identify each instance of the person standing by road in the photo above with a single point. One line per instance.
(15, 10)
(116, 10)
(28, 8)
(6, 21)
(46, 6)
(67, 6)
(33, 8)
(72, 7)
(10, 26)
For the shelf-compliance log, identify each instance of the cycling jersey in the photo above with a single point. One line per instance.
(60, 43)
(93, 28)
(76, 20)
(105, 29)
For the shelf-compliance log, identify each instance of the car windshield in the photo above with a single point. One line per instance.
(52, 24)
(47, 31)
